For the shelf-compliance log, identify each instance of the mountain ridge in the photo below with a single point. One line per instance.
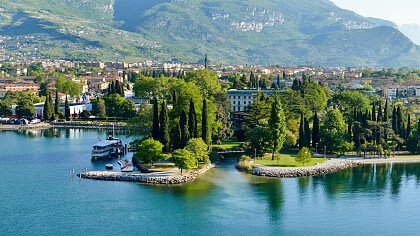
(301, 32)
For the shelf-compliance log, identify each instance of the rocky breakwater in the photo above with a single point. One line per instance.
(328, 167)
(144, 178)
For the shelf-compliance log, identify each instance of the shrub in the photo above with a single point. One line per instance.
(245, 163)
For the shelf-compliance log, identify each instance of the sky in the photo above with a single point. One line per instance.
(397, 11)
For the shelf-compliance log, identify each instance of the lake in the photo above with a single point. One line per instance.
(39, 197)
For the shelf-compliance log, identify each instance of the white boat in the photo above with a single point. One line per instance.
(109, 166)
(126, 166)
(107, 148)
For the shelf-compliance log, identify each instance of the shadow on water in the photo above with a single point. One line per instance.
(377, 179)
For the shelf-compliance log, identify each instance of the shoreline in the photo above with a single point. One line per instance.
(87, 126)
(25, 127)
(329, 167)
(144, 178)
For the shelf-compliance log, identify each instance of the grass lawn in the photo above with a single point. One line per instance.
(407, 156)
(228, 144)
(286, 160)
(159, 167)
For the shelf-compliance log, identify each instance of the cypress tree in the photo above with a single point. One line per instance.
(57, 103)
(252, 79)
(386, 112)
(67, 109)
(315, 130)
(117, 87)
(307, 130)
(349, 131)
(394, 119)
(109, 89)
(173, 97)
(400, 128)
(176, 137)
(192, 121)
(48, 108)
(155, 127)
(374, 112)
(409, 130)
(164, 128)
(113, 87)
(122, 90)
(380, 117)
(205, 131)
(185, 134)
(302, 136)
(45, 113)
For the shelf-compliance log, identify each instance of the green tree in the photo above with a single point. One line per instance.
(259, 111)
(205, 131)
(155, 127)
(223, 120)
(128, 109)
(185, 134)
(100, 108)
(206, 80)
(164, 128)
(304, 156)
(199, 149)
(258, 140)
(176, 137)
(57, 109)
(277, 126)
(67, 109)
(302, 135)
(5, 108)
(315, 131)
(192, 121)
(347, 100)
(25, 108)
(149, 151)
(48, 112)
(413, 143)
(307, 131)
(141, 124)
(333, 132)
(314, 95)
(183, 159)
(114, 102)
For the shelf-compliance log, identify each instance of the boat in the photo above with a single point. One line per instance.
(107, 148)
(109, 166)
(126, 166)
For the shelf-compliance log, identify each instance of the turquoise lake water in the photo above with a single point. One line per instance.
(38, 197)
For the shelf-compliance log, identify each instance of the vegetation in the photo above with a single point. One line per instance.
(149, 151)
(286, 160)
(304, 156)
(183, 159)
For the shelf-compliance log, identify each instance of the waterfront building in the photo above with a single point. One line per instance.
(241, 99)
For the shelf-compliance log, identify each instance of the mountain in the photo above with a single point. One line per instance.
(299, 32)
(412, 31)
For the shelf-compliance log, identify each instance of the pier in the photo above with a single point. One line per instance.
(154, 178)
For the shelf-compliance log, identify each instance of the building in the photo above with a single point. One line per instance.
(402, 90)
(18, 87)
(240, 100)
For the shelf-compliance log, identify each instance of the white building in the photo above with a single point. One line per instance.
(240, 100)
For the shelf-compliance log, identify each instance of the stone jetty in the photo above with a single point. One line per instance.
(328, 167)
(144, 178)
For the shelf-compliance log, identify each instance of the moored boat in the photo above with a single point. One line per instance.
(126, 166)
(109, 166)
(107, 148)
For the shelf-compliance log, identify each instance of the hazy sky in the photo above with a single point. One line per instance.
(398, 11)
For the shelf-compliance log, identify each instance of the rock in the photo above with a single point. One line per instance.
(289, 172)
(134, 177)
